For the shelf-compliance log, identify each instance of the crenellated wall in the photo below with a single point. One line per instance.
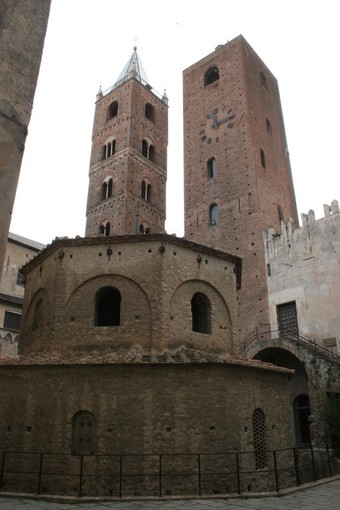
(303, 265)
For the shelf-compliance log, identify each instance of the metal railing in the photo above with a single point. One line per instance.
(158, 475)
(272, 332)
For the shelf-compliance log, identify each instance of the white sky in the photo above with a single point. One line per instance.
(88, 42)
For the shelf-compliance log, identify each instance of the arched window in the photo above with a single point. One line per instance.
(259, 435)
(212, 168)
(264, 81)
(112, 110)
(145, 148)
(107, 188)
(144, 228)
(211, 75)
(213, 214)
(150, 112)
(148, 150)
(38, 314)
(107, 312)
(109, 149)
(200, 313)
(105, 229)
(146, 191)
(83, 433)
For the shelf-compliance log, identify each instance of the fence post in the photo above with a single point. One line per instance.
(313, 461)
(238, 473)
(81, 476)
(329, 462)
(40, 472)
(160, 475)
(199, 474)
(2, 468)
(120, 474)
(276, 473)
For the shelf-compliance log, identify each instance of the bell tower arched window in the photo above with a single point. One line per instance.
(105, 229)
(144, 228)
(107, 188)
(211, 75)
(148, 150)
(107, 307)
(150, 112)
(146, 191)
(112, 110)
(200, 313)
(109, 149)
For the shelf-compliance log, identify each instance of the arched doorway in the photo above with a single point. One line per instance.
(298, 388)
(301, 410)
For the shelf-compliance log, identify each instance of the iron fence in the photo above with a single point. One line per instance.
(164, 474)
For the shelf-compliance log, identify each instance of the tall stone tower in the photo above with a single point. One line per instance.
(238, 179)
(128, 164)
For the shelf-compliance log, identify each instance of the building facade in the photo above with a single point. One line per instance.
(12, 285)
(22, 35)
(136, 337)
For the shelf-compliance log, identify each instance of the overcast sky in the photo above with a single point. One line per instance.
(88, 42)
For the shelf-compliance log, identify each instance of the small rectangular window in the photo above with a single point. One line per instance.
(21, 279)
(287, 319)
(12, 321)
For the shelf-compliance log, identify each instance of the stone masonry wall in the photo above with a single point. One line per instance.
(156, 276)
(22, 32)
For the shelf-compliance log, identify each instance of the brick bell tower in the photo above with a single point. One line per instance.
(128, 166)
(237, 172)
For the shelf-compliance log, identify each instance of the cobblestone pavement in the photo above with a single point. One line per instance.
(321, 497)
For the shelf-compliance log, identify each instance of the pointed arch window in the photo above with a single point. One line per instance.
(211, 75)
(212, 167)
(112, 110)
(213, 214)
(105, 229)
(150, 112)
(107, 307)
(83, 433)
(200, 313)
(259, 436)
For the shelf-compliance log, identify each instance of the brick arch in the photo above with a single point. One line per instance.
(180, 314)
(135, 312)
(253, 350)
(39, 332)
